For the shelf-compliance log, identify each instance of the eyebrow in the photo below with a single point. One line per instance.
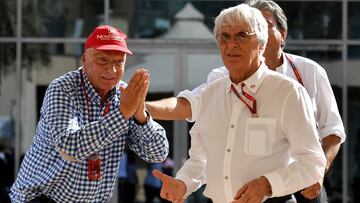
(226, 33)
(100, 54)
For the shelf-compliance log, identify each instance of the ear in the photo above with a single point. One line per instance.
(283, 36)
(83, 58)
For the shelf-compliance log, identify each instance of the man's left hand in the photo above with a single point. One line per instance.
(313, 191)
(140, 114)
(253, 191)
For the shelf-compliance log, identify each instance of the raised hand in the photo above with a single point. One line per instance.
(172, 189)
(133, 94)
(140, 114)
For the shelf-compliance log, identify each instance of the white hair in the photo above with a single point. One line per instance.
(240, 14)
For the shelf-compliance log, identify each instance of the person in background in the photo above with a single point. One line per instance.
(6, 172)
(307, 72)
(255, 137)
(122, 177)
(132, 180)
(85, 121)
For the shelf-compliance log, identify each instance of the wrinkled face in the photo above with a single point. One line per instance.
(104, 68)
(239, 47)
(275, 36)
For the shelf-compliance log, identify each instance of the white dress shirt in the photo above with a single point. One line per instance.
(230, 148)
(316, 83)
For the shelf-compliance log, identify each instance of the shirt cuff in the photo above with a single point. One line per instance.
(189, 182)
(145, 127)
(276, 183)
(193, 100)
(147, 119)
(333, 131)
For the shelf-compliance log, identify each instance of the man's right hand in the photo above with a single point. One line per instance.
(132, 95)
(172, 189)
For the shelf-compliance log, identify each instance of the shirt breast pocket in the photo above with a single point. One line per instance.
(259, 136)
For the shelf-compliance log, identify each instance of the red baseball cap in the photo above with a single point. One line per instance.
(105, 37)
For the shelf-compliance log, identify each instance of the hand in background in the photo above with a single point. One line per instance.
(312, 191)
(253, 191)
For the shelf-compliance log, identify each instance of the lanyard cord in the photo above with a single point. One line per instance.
(252, 109)
(296, 72)
(107, 108)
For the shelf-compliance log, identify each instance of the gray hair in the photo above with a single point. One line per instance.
(275, 9)
(239, 14)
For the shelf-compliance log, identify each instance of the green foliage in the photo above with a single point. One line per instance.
(32, 25)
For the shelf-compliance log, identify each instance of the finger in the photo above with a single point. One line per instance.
(306, 191)
(135, 78)
(144, 90)
(135, 91)
(312, 189)
(163, 194)
(240, 192)
(142, 76)
(310, 196)
(159, 175)
(122, 88)
(309, 193)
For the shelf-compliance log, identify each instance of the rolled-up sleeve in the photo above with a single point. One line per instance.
(328, 115)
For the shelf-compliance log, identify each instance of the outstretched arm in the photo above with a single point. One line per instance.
(184, 106)
(169, 108)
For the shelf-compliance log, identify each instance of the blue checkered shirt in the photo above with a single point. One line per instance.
(64, 124)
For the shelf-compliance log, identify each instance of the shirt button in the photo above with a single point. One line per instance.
(232, 126)
(226, 177)
(228, 150)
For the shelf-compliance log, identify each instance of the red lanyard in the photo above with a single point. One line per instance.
(252, 109)
(107, 108)
(296, 72)
(94, 161)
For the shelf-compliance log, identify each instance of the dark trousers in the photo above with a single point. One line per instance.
(322, 198)
(282, 199)
(42, 199)
(127, 192)
(151, 193)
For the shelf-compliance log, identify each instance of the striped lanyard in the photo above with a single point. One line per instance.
(296, 72)
(253, 108)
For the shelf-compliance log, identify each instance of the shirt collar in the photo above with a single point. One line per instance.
(253, 82)
(284, 67)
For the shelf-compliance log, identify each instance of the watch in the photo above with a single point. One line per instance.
(147, 118)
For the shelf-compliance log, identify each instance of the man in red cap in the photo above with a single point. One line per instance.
(84, 124)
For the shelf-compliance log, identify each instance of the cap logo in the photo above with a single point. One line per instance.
(112, 35)
(112, 31)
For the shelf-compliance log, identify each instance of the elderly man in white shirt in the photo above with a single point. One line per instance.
(255, 137)
(307, 72)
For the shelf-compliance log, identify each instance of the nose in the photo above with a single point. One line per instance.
(233, 43)
(111, 68)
